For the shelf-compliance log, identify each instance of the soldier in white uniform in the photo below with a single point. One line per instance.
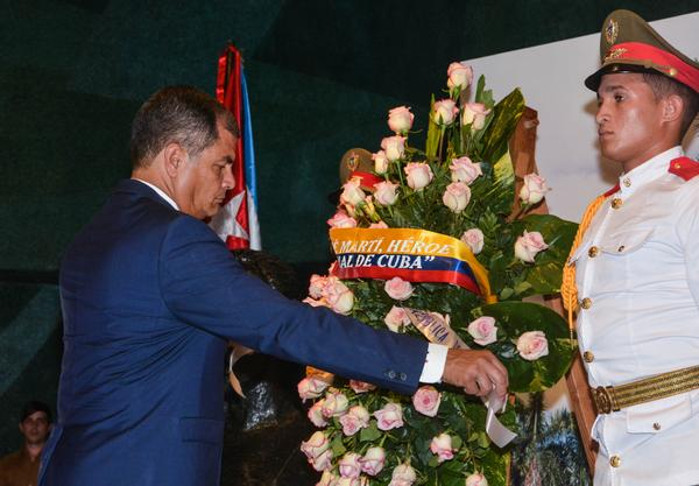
(636, 264)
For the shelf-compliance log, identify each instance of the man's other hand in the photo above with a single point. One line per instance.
(477, 372)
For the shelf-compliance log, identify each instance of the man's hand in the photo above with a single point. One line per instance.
(477, 372)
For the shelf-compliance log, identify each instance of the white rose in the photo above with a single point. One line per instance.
(532, 345)
(373, 460)
(403, 475)
(460, 75)
(529, 245)
(463, 170)
(342, 220)
(380, 162)
(483, 330)
(400, 120)
(352, 192)
(418, 175)
(441, 446)
(315, 414)
(534, 189)
(456, 196)
(393, 147)
(311, 388)
(349, 465)
(334, 404)
(355, 419)
(474, 239)
(385, 193)
(444, 112)
(339, 297)
(475, 114)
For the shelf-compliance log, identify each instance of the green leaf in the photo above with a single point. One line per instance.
(506, 115)
(514, 319)
(369, 434)
(433, 134)
(337, 445)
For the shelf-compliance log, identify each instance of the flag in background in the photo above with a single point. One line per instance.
(236, 223)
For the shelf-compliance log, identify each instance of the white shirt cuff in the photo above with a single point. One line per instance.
(435, 361)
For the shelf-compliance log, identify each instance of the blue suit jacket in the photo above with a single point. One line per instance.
(149, 298)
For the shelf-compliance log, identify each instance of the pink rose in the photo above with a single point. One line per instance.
(355, 419)
(400, 120)
(474, 240)
(532, 345)
(534, 189)
(456, 196)
(380, 162)
(379, 225)
(352, 193)
(476, 479)
(373, 460)
(441, 445)
(335, 404)
(483, 330)
(361, 386)
(315, 414)
(349, 465)
(317, 444)
(323, 462)
(389, 417)
(361, 481)
(474, 114)
(460, 76)
(463, 170)
(341, 220)
(315, 288)
(426, 400)
(393, 147)
(403, 475)
(385, 193)
(418, 175)
(326, 479)
(398, 289)
(444, 112)
(311, 388)
(529, 245)
(396, 318)
(339, 297)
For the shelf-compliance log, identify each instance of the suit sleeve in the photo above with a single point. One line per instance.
(204, 286)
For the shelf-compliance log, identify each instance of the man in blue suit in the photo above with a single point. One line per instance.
(150, 296)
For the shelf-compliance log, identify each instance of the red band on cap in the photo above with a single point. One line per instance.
(367, 180)
(668, 63)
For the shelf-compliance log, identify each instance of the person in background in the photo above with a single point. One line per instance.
(21, 468)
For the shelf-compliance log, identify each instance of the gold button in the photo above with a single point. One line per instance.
(586, 303)
(617, 202)
(615, 461)
(588, 356)
(656, 426)
(678, 166)
(593, 252)
(672, 72)
(626, 182)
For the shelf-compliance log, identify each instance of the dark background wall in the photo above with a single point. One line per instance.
(321, 76)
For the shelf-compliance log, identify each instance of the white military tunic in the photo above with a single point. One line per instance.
(638, 266)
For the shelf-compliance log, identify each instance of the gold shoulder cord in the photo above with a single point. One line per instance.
(569, 291)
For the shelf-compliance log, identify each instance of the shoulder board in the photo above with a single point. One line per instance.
(684, 167)
(612, 190)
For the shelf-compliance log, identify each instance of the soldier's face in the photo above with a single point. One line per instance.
(629, 118)
(202, 182)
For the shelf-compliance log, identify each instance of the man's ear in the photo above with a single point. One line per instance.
(673, 108)
(174, 156)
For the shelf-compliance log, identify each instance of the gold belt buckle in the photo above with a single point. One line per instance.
(603, 399)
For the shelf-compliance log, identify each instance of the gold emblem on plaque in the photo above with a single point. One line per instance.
(611, 31)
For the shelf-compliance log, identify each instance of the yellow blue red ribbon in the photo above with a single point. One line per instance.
(411, 254)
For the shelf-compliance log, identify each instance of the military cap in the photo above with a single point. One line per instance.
(628, 43)
(357, 162)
